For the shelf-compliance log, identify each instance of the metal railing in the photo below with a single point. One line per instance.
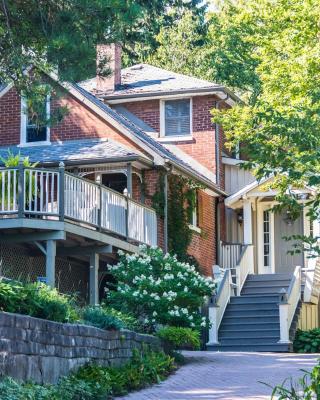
(54, 193)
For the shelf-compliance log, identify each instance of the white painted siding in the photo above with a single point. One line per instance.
(236, 178)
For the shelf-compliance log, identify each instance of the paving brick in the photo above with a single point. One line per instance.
(227, 376)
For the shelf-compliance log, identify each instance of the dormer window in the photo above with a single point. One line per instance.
(34, 124)
(176, 117)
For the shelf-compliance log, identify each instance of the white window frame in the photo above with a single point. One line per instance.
(194, 219)
(23, 127)
(262, 269)
(174, 138)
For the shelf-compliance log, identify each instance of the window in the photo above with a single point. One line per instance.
(33, 125)
(194, 217)
(176, 118)
(266, 238)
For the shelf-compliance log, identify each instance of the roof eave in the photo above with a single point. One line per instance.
(213, 90)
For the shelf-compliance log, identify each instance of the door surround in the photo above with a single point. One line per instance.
(262, 269)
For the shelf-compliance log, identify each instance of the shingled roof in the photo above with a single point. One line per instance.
(74, 151)
(145, 79)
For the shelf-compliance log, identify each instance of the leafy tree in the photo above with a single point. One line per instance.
(181, 47)
(61, 35)
(276, 52)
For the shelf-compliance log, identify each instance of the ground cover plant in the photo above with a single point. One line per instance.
(93, 382)
(306, 388)
(307, 341)
(158, 290)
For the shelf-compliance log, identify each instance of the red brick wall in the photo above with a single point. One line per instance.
(10, 111)
(147, 110)
(202, 148)
(79, 123)
(151, 184)
(203, 245)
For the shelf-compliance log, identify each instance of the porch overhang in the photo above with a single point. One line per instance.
(256, 189)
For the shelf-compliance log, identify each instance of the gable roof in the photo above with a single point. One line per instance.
(73, 151)
(152, 144)
(160, 154)
(146, 80)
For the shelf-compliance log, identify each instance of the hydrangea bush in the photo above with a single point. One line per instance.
(158, 289)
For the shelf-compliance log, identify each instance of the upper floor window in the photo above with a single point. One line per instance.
(34, 123)
(176, 119)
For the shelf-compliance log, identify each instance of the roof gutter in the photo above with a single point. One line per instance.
(113, 160)
(140, 96)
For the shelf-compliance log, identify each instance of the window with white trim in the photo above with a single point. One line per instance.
(176, 118)
(194, 215)
(266, 238)
(34, 125)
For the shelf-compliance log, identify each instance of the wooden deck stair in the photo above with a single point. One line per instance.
(251, 321)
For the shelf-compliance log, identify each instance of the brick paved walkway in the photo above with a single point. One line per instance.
(228, 376)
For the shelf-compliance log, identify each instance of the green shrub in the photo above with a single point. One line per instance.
(100, 318)
(307, 341)
(180, 338)
(128, 320)
(158, 289)
(308, 387)
(37, 300)
(93, 382)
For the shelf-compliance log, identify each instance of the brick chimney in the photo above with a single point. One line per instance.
(108, 63)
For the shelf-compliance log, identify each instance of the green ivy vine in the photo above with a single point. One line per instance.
(182, 196)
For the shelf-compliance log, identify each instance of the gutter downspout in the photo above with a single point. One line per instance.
(217, 142)
(218, 181)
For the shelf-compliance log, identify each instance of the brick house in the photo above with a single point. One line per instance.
(98, 169)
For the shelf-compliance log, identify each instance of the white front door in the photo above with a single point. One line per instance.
(265, 232)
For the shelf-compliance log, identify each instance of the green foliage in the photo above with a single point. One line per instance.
(278, 127)
(181, 46)
(158, 289)
(93, 382)
(180, 338)
(181, 201)
(100, 318)
(307, 388)
(128, 320)
(307, 341)
(37, 300)
(144, 369)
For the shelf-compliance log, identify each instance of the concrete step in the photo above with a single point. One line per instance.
(266, 347)
(269, 283)
(253, 306)
(270, 277)
(275, 289)
(226, 341)
(243, 334)
(253, 319)
(248, 327)
(249, 312)
(255, 299)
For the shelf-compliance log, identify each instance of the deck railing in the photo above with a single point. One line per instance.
(244, 266)
(229, 254)
(54, 193)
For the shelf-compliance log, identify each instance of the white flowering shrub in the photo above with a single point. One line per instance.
(158, 289)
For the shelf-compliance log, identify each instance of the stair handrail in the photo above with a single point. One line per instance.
(312, 280)
(288, 302)
(217, 306)
(244, 266)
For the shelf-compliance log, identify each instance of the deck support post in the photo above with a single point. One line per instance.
(51, 246)
(247, 222)
(129, 179)
(213, 319)
(165, 222)
(94, 287)
(61, 191)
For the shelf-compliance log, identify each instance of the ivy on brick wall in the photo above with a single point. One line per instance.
(182, 195)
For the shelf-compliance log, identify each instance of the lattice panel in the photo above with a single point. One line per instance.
(16, 264)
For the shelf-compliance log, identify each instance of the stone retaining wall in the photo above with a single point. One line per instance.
(32, 349)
